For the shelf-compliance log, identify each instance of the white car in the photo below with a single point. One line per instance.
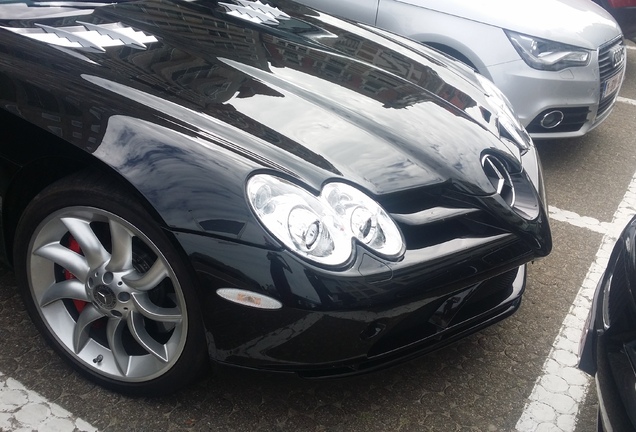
(561, 63)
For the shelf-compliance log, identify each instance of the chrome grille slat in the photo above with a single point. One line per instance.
(607, 70)
(431, 215)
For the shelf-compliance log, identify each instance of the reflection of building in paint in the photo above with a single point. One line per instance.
(63, 116)
(183, 68)
(392, 91)
(398, 89)
(305, 47)
(460, 99)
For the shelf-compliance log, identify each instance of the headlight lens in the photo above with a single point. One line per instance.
(323, 228)
(548, 55)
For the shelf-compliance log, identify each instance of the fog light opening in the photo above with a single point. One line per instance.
(552, 119)
(249, 298)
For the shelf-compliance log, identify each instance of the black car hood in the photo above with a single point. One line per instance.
(308, 93)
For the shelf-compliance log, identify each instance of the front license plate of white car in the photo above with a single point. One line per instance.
(611, 85)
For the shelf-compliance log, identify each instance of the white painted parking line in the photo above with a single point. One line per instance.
(25, 410)
(579, 221)
(554, 402)
(629, 47)
(626, 100)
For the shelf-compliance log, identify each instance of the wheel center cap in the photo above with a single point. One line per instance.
(104, 297)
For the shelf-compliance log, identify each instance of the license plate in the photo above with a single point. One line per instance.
(611, 85)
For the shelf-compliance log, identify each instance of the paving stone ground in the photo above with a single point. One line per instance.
(23, 410)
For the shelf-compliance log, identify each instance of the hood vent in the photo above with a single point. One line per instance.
(256, 12)
(87, 37)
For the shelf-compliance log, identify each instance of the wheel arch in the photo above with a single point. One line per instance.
(177, 177)
(60, 159)
(456, 50)
(30, 179)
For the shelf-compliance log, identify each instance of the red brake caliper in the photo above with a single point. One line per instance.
(75, 247)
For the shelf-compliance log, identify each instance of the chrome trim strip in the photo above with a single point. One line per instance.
(434, 214)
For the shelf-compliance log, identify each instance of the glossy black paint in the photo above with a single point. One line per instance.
(186, 121)
(374, 307)
(255, 108)
(608, 344)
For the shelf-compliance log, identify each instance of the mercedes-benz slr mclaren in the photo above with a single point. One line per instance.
(256, 183)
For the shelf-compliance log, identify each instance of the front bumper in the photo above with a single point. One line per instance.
(370, 315)
(585, 95)
(355, 323)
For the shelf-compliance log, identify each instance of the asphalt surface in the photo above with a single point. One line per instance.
(481, 383)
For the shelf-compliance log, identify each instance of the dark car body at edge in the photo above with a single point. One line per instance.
(214, 100)
(608, 344)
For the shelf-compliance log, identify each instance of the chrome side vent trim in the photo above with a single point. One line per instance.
(256, 12)
(87, 37)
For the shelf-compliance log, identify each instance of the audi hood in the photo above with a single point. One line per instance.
(575, 22)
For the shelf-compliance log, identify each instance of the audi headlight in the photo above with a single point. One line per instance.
(548, 55)
(323, 228)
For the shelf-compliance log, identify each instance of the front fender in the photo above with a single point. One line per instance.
(193, 184)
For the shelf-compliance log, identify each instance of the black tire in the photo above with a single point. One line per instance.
(108, 289)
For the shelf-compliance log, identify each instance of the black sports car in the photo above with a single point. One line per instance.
(608, 343)
(260, 182)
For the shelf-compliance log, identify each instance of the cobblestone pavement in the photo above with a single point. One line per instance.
(480, 384)
(24, 410)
